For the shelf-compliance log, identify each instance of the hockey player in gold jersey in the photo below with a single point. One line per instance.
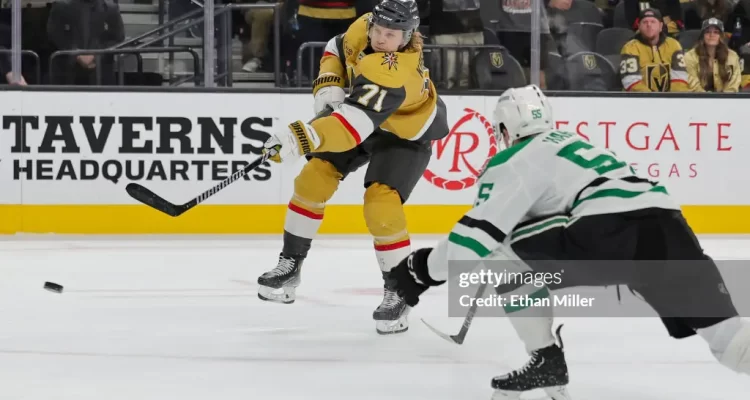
(389, 118)
(652, 61)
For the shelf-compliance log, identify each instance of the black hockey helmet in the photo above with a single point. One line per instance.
(397, 14)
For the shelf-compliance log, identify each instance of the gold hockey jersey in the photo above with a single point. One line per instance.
(745, 68)
(390, 91)
(733, 66)
(660, 68)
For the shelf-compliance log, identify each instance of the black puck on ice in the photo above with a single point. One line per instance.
(53, 287)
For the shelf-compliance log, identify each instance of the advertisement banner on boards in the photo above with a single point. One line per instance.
(83, 148)
(696, 147)
(695, 150)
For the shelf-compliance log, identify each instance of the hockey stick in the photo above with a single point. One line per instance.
(152, 199)
(155, 201)
(461, 335)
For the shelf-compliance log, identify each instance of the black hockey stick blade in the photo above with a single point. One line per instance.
(149, 198)
(152, 199)
(461, 335)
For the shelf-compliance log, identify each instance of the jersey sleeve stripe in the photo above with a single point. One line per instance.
(485, 226)
(630, 81)
(469, 243)
(679, 76)
(359, 121)
(538, 228)
(331, 48)
(623, 194)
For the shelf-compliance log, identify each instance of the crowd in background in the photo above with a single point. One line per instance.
(660, 46)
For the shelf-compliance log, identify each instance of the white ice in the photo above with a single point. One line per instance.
(153, 318)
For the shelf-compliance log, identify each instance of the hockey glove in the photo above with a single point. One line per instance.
(329, 96)
(411, 276)
(293, 142)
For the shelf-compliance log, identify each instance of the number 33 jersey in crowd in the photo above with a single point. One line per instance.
(556, 173)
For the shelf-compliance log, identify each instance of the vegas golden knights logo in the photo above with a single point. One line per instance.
(589, 61)
(497, 59)
(391, 60)
(657, 78)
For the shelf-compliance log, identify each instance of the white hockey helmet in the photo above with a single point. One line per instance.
(522, 112)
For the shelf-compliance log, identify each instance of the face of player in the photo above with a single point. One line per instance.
(385, 40)
(712, 36)
(650, 28)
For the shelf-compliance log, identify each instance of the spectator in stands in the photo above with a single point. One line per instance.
(254, 50)
(514, 30)
(745, 67)
(5, 57)
(700, 10)
(84, 24)
(653, 61)
(738, 29)
(733, 13)
(6, 70)
(456, 22)
(671, 9)
(316, 21)
(608, 11)
(711, 65)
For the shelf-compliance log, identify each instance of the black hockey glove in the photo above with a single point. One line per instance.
(411, 276)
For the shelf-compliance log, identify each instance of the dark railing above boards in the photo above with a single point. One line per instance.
(223, 76)
(134, 51)
(37, 64)
(427, 47)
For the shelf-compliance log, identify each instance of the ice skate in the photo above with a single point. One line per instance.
(546, 370)
(391, 315)
(279, 284)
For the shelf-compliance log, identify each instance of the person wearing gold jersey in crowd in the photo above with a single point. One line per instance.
(712, 66)
(652, 61)
(389, 118)
(744, 54)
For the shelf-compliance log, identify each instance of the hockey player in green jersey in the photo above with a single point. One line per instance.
(553, 196)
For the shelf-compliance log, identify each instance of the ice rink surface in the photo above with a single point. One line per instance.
(155, 318)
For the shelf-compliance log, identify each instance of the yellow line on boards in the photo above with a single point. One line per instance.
(269, 219)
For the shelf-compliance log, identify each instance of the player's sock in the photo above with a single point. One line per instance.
(303, 219)
(386, 221)
(546, 369)
(390, 253)
(529, 308)
(391, 314)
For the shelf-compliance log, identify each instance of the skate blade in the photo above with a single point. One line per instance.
(391, 327)
(550, 393)
(284, 295)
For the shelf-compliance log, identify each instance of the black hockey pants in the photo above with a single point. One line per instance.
(653, 252)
